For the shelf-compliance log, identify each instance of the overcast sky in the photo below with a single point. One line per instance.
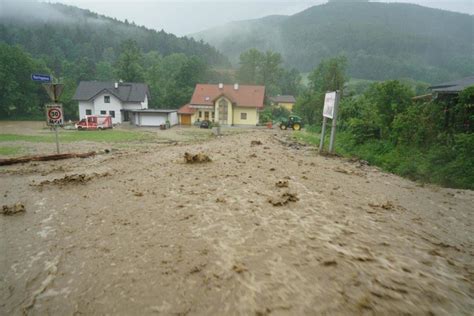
(189, 16)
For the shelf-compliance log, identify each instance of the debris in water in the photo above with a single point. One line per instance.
(328, 263)
(13, 209)
(388, 205)
(340, 170)
(74, 179)
(239, 268)
(284, 199)
(282, 184)
(198, 158)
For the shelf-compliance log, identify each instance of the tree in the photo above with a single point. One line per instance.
(290, 82)
(19, 96)
(129, 65)
(388, 99)
(330, 75)
(250, 64)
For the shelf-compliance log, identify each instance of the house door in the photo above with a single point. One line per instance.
(126, 116)
(185, 119)
(223, 115)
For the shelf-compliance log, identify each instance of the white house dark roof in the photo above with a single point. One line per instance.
(283, 99)
(453, 86)
(126, 91)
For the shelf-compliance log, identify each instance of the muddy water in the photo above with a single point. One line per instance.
(149, 234)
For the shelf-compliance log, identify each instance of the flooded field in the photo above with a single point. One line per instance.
(267, 226)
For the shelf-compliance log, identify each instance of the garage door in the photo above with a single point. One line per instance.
(152, 119)
(185, 119)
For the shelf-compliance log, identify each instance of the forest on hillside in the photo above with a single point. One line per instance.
(74, 44)
(380, 40)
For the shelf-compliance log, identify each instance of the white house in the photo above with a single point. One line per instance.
(117, 99)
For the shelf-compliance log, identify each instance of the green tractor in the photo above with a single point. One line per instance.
(293, 121)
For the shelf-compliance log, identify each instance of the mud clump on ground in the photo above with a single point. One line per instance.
(255, 143)
(388, 206)
(74, 179)
(282, 184)
(198, 158)
(284, 199)
(13, 209)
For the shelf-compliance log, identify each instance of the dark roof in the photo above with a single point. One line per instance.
(154, 111)
(126, 91)
(453, 86)
(283, 99)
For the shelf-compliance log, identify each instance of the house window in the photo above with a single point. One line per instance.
(112, 113)
(103, 112)
(200, 114)
(243, 116)
(88, 112)
(213, 115)
(107, 99)
(223, 111)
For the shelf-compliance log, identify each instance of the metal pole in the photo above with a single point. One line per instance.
(334, 124)
(323, 133)
(57, 139)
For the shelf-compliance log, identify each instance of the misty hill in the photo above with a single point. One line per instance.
(381, 40)
(57, 32)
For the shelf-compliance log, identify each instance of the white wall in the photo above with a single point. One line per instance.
(132, 106)
(173, 118)
(144, 104)
(152, 119)
(83, 106)
(114, 105)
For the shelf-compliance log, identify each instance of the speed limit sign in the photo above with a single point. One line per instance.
(54, 114)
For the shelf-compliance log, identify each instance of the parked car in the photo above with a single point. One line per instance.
(95, 122)
(205, 124)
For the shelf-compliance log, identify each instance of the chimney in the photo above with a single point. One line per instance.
(221, 86)
(116, 85)
(236, 86)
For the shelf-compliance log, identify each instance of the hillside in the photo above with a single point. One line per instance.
(57, 32)
(381, 40)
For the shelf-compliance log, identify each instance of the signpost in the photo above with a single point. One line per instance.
(55, 118)
(331, 102)
(54, 111)
(41, 78)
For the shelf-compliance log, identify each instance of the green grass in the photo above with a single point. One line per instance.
(75, 136)
(10, 150)
(438, 164)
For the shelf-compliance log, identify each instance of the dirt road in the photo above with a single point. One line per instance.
(262, 229)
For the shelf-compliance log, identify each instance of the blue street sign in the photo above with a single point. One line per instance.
(42, 78)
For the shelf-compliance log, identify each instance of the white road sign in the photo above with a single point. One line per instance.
(54, 114)
(329, 103)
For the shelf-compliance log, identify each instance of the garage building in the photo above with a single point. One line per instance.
(153, 117)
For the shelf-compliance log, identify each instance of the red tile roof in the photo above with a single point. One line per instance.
(246, 96)
(186, 109)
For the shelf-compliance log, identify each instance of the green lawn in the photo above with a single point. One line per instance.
(75, 136)
(10, 150)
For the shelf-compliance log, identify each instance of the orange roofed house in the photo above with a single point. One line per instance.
(227, 104)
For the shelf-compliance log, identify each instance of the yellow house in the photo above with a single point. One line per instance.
(227, 104)
(285, 101)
